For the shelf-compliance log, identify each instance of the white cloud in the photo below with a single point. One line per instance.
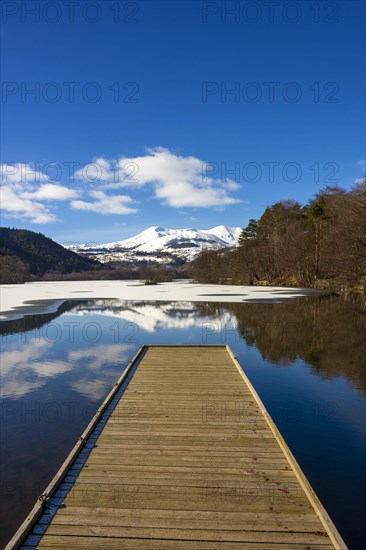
(50, 191)
(104, 204)
(23, 189)
(182, 193)
(18, 173)
(17, 206)
(98, 170)
(362, 164)
(178, 181)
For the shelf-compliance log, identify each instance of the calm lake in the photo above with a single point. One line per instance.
(306, 357)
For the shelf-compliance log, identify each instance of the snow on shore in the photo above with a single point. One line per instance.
(45, 297)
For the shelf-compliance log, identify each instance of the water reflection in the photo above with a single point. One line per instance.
(325, 332)
(153, 316)
(91, 385)
(328, 334)
(24, 369)
(29, 322)
(306, 358)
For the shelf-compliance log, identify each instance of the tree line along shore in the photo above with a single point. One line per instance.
(318, 245)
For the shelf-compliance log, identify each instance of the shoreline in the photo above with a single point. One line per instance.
(17, 301)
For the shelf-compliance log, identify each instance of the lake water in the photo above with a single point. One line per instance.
(305, 357)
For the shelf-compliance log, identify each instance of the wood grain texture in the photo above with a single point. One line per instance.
(189, 459)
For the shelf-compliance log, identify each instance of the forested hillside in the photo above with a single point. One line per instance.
(321, 244)
(24, 254)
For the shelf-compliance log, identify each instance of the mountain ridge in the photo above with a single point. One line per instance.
(161, 245)
(25, 253)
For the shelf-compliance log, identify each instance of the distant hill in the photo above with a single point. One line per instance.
(25, 253)
(161, 246)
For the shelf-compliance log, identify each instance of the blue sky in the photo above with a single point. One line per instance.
(179, 114)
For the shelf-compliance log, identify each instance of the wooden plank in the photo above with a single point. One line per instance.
(189, 458)
(168, 533)
(72, 543)
(182, 519)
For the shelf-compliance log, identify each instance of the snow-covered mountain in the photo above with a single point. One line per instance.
(160, 245)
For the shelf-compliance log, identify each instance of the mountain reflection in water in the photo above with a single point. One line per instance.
(327, 333)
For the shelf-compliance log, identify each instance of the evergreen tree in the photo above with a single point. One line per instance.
(250, 232)
(321, 244)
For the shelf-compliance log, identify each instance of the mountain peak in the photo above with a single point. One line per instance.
(225, 233)
(161, 245)
(219, 227)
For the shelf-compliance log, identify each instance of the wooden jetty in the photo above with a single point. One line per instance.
(181, 455)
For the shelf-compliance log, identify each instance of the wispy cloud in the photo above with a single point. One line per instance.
(104, 204)
(51, 192)
(15, 205)
(24, 189)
